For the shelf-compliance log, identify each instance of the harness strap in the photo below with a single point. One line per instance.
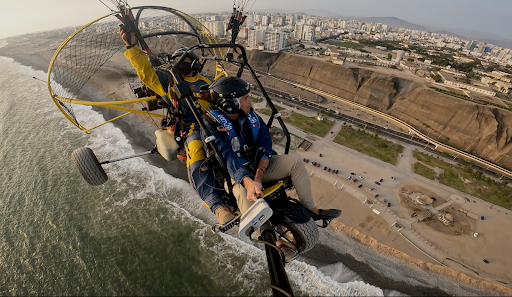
(227, 126)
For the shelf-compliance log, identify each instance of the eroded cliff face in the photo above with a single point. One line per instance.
(482, 130)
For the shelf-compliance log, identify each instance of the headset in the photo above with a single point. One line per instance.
(229, 105)
(184, 67)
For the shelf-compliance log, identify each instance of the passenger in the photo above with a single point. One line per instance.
(246, 146)
(161, 83)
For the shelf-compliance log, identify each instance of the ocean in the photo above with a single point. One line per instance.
(144, 232)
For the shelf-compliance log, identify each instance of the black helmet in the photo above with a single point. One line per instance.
(192, 55)
(185, 67)
(226, 92)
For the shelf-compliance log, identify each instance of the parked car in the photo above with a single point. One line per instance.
(355, 180)
(370, 189)
(360, 186)
(361, 177)
(329, 169)
(352, 173)
(325, 167)
(320, 155)
(389, 204)
(381, 180)
(377, 183)
(317, 165)
(376, 196)
(349, 177)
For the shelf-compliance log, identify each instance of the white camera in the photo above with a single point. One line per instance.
(255, 216)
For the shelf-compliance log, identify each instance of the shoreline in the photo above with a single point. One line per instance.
(140, 134)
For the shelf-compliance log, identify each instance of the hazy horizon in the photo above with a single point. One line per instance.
(469, 15)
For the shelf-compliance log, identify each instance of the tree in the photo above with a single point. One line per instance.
(389, 56)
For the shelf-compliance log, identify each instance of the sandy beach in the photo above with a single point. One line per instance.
(360, 239)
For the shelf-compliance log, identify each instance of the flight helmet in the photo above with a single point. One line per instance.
(226, 92)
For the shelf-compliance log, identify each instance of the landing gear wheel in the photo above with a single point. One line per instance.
(89, 166)
(304, 236)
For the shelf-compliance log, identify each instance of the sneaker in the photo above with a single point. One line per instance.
(224, 214)
(289, 253)
(326, 214)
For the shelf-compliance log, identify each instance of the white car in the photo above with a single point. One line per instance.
(360, 177)
(370, 189)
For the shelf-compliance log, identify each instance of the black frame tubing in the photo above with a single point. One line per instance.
(278, 275)
(255, 77)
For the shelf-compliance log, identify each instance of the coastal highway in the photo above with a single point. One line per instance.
(289, 100)
(402, 137)
(413, 131)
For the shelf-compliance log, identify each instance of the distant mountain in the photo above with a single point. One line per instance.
(321, 12)
(449, 33)
(390, 21)
(484, 37)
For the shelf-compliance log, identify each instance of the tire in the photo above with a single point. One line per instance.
(89, 166)
(304, 236)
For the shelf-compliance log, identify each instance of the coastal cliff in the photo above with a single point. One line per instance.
(482, 130)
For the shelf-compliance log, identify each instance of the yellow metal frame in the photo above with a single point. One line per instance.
(219, 72)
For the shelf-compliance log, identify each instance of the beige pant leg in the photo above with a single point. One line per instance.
(241, 197)
(281, 166)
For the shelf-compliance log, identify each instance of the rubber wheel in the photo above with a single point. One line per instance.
(305, 235)
(89, 166)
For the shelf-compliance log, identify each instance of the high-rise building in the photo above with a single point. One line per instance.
(255, 37)
(471, 45)
(308, 33)
(297, 33)
(217, 28)
(249, 22)
(280, 21)
(265, 20)
(275, 41)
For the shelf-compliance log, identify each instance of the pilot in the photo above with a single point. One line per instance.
(246, 145)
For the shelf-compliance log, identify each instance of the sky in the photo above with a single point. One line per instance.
(490, 16)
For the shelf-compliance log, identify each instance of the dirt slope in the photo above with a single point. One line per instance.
(486, 130)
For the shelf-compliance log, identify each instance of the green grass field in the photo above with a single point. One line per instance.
(256, 100)
(346, 44)
(309, 124)
(466, 181)
(424, 171)
(370, 145)
(266, 111)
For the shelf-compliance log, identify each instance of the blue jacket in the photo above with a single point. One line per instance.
(262, 148)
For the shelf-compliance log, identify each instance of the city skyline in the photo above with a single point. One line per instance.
(458, 16)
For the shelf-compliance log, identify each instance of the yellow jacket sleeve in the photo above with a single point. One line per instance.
(145, 71)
